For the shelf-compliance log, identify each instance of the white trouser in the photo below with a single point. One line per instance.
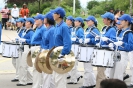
(107, 72)
(15, 62)
(59, 79)
(89, 76)
(37, 77)
(48, 81)
(130, 54)
(75, 73)
(119, 67)
(24, 73)
(69, 74)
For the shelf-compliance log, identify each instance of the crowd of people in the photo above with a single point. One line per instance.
(52, 30)
(9, 16)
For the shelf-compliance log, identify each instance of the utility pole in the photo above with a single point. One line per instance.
(73, 7)
(39, 6)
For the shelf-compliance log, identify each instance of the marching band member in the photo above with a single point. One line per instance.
(48, 41)
(124, 44)
(25, 77)
(109, 32)
(61, 38)
(36, 42)
(89, 76)
(131, 61)
(15, 62)
(70, 23)
(77, 38)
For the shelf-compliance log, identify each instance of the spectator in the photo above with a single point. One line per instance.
(4, 13)
(11, 24)
(24, 12)
(15, 12)
(112, 83)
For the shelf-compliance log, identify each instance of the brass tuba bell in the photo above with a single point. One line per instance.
(61, 67)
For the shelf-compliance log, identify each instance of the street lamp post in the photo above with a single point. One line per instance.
(73, 7)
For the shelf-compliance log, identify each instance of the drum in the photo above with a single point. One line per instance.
(102, 58)
(24, 47)
(85, 53)
(10, 49)
(75, 49)
(1, 47)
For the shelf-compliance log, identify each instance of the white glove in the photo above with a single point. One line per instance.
(119, 43)
(80, 40)
(97, 38)
(104, 38)
(61, 58)
(87, 40)
(22, 40)
(111, 45)
(73, 39)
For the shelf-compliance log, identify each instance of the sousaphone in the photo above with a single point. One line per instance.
(60, 67)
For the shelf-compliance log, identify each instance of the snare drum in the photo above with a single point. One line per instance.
(85, 53)
(75, 49)
(10, 49)
(102, 58)
(1, 47)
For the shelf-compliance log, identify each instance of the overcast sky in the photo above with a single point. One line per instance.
(83, 3)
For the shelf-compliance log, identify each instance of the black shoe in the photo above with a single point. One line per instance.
(131, 85)
(79, 78)
(71, 83)
(87, 86)
(68, 77)
(21, 84)
(14, 80)
(126, 77)
(29, 83)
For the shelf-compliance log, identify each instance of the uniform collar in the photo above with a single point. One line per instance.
(60, 23)
(49, 27)
(40, 26)
(125, 29)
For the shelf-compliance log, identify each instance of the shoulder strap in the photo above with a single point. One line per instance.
(126, 32)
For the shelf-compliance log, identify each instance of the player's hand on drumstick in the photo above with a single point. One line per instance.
(22, 40)
(104, 38)
(80, 40)
(73, 39)
(119, 43)
(60, 58)
(97, 38)
(87, 40)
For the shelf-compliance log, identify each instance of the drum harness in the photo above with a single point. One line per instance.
(117, 55)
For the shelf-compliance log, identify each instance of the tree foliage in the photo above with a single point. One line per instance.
(92, 4)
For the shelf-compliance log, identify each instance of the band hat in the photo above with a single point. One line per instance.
(14, 5)
(39, 16)
(108, 15)
(49, 15)
(91, 18)
(126, 17)
(70, 18)
(59, 10)
(20, 20)
(30, 20)
(79, 19)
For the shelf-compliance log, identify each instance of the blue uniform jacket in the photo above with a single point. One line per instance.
(48, 38)
(79, 34)
(92, 36)
(62, 37)
(20, 31)
(110, 33)
(37, 36)
(27, 35)
(127, 41)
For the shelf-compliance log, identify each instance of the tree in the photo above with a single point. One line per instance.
(92, 4)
